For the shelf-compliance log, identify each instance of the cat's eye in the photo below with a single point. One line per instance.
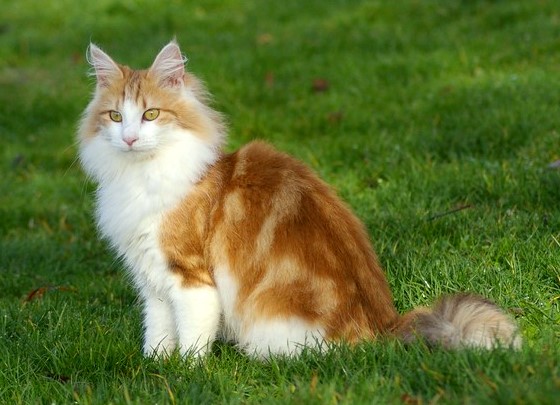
(115, 116)
(151, 114)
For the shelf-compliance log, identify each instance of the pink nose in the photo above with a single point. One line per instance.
(129, 140)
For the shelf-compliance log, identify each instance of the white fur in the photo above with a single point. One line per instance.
(197, 316)
(160, 329)
(262, 338)
(280, 336)
(185, 318)
(228, 290)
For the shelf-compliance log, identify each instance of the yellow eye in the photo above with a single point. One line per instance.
(115, 116)
(151, 114)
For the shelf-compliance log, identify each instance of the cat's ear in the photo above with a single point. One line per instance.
(169, 66)
(105, 68)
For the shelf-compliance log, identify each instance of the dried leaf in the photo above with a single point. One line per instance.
(313, 383)
(40, 292)
(63, 224)
(335, 117)
(265, 39)
(486, 379)
(77, 58)
(410, 400)
(269, 79)
(36, 293)
(320, 85)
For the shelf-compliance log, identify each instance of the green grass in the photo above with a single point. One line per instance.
(430, 106)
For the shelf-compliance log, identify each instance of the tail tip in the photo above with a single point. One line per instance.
(463, 320)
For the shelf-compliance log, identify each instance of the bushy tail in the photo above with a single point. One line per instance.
(463, 320)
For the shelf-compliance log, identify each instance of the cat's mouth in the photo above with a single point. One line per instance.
(128, 148)
(136, 149)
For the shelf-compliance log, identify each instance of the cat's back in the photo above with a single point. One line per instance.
(266, 174)
(265, 187)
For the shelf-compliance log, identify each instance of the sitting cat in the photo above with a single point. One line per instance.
(251, 246)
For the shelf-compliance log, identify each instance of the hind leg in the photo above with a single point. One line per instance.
(281, 336)
(258, 335)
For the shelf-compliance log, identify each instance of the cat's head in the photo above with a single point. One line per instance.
(136, 114)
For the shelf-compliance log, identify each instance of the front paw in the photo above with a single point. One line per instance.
(162, 348)
(195, 351)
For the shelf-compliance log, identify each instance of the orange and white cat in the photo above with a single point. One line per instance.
(250, 246)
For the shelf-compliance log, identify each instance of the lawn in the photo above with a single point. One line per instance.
(436, 121)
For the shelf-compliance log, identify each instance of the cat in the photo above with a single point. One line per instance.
(251, 246)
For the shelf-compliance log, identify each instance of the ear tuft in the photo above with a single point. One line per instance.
(169, 65)
(105, 68)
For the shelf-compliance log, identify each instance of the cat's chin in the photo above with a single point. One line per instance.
(138, 153)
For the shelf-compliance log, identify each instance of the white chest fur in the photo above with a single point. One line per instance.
(129, 213)
(134, 195)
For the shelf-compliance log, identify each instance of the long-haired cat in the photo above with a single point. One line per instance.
(251, 246)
